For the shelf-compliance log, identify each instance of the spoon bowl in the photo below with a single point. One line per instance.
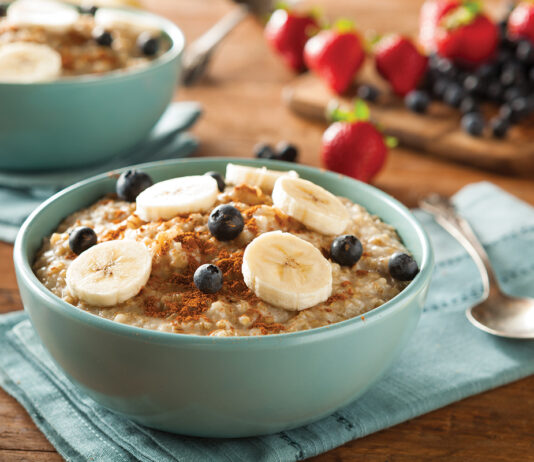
(497, 313)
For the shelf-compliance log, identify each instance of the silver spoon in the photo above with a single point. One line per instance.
(497, 313)
(197, 55)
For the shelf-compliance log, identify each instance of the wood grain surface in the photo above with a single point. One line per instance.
(242, 103)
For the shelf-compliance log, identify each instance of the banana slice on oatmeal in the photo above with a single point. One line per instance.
(48, 14)
(169, 198)
(313, 206)
(110, 273)
(286, 271)
(25, 62)
(261, 177)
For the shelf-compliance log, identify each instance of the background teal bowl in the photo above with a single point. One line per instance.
(79, 121)
(217, 386)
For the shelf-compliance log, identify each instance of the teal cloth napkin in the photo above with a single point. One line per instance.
(22, 192)
(446, 360)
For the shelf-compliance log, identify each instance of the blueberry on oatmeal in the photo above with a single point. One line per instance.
(403, 267)
(81, 239)
(225, 222)
(131, 183)
(208, 279)
(346, 250)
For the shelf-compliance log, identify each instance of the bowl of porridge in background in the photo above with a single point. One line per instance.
(219, 386)
(81, 86)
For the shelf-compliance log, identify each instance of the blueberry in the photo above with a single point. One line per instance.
(531, 75)
(453, 95)
(511, 74)
(494, 91)
(346, 250)
(368, 93)
(469, 104)
(208, 278)
(131, 183)
(264, 151)
(286, 151)
(513, 92)
(417, 101)
(499, 127)
(506, 113)
(148, 44)
(225, 222)
(81, 239)
(519, 107)
(89, 10)
(3, 9)
(402, 267)
(446, 68)
(525, 51)
(473, 123)
(473, 84)
(439, 87)
(102, 37)
(486, 71)
(219, 179)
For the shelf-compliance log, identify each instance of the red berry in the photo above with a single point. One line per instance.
(521, 22)
(335, 56)
(469, 45)
(431, 13)
(356, 149)
(287, 32)
(400, 63)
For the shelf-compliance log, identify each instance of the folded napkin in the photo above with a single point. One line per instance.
(446, 360)
(22, 192)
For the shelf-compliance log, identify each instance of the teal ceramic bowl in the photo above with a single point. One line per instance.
(78, 121)
(221, 386)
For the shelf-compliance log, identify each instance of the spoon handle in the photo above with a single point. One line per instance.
(197, 55)
(446, 215)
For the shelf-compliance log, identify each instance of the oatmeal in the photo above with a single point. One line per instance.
(249, 261)
(48, 40)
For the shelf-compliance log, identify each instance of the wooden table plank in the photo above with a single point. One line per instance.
(242, 102)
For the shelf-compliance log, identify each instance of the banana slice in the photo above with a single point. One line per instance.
(261, 177)
(48, 14)
(110, 273)
(286, 271)
(130, 20)
(25, 62)
(169, 198)
(310, 204)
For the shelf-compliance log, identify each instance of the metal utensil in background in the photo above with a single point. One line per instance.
(497, 313)
(198, 54)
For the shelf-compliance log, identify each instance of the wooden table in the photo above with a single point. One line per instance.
(242, 103)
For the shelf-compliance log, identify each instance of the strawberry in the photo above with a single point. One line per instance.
(466, 36)
(287, 32)
(336, 55)
(431, 13)
(521, 22)
(400, 63)
(353, 146)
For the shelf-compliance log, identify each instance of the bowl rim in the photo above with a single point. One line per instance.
(50, 300)
(176, 49)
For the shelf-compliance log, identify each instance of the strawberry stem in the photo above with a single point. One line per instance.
(360, 112)
(462, 15)
(391, 141)
(344, 25)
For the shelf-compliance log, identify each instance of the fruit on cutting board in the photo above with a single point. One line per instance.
(399, 61)
(463, 34)
(430, 15)
(521, 22)
(335, 55)
(353, 146)
(287, 32)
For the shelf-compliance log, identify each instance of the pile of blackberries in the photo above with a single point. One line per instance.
(507, 82)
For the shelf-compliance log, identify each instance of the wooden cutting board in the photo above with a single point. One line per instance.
(437, 132)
